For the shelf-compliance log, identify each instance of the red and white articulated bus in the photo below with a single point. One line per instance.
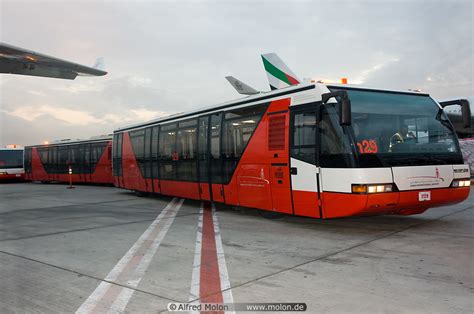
(11, 164)
(312, 150)
(89, 161)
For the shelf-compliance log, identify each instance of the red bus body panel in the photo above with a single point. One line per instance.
(102, 173)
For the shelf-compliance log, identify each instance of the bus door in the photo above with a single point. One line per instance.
(216, 160)
(203, 158)
(303, 162)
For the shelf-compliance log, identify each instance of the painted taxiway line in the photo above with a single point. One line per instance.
(210, 279)
(111, 298)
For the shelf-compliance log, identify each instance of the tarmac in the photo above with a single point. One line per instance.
(99, 249)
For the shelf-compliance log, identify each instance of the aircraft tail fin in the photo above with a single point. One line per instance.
(99, 64)
(241, 87)
(278, 73)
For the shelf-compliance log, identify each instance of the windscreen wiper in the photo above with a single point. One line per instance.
(444, 122)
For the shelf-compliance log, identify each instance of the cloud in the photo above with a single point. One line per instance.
(74, 117)
(37, 93)
(77, 87)
(82, 118)
(362, 78)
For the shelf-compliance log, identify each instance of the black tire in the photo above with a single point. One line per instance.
(270, 215)
(140, 193)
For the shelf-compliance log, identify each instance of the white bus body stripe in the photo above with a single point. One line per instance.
(341, 179)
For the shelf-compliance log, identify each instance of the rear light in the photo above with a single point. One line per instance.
(458, 183)
(372, 188)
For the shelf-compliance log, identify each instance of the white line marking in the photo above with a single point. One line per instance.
(224, 275)
(195, 281)
(196, 275)
(132, 266)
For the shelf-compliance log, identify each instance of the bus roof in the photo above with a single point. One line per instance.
(94, 139)
(236, 102)
(254, 98)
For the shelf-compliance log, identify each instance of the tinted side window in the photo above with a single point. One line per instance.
(43, 154)
(215, 153)
(87, 158)
(167, 151)
(117, 154)
(27, 160)
(203, 127)
(335, 149)
(63, 159)
(154, 151)
(304, 136)
(239, 126)
(137, 138)
(97, 150)
(147, 153)
(186, 147)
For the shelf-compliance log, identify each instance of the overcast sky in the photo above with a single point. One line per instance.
(168, 57)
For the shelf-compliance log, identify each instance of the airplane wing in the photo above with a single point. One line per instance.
(15, 60)
(241, 87)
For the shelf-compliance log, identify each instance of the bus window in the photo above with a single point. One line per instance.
(239, 125)
(407, 128)
(11, 159)
(186, 146)
(335, 151)
(137, 138)
(167, 151)
(203, 127)
(154, 151)
(116, 156)
(215, 139)
(147, 153)
(304, 136)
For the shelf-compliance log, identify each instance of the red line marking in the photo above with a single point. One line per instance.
(210, 282)
(292, 80)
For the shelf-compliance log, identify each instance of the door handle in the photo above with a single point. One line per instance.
(293, 170)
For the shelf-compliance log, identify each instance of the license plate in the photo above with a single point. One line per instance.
(424, 196)
(18, 175)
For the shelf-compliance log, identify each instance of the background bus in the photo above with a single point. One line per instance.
(90, 161)
(11, 164)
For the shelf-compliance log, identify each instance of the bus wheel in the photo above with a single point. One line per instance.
(140, 193)
(270, 215)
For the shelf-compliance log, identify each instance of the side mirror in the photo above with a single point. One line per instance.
(465, 110)
(345, 114)
(466, 113)
(345, 105)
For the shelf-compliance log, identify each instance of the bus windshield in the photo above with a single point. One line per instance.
(397, 129)
(11, 159)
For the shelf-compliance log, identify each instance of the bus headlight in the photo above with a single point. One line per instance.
(372, 188)
(461, 183)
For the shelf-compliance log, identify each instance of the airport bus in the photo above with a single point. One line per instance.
(11, 164)
(313, 149)
(89, 161)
